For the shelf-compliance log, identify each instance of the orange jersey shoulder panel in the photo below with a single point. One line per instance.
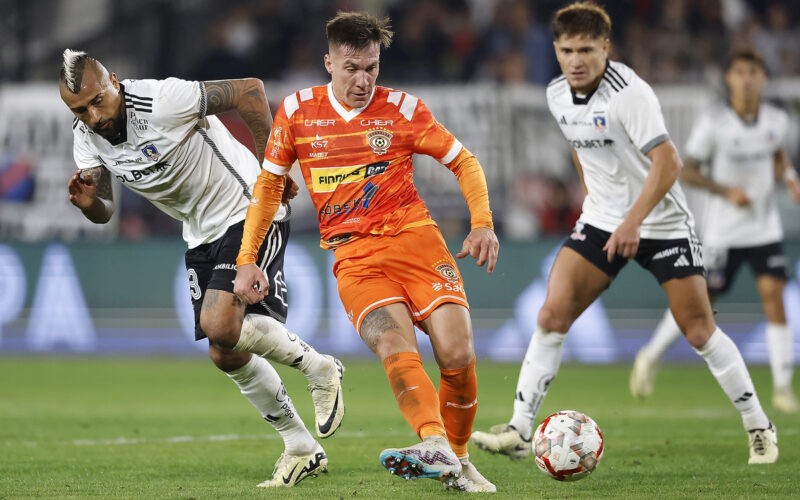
(357, 164)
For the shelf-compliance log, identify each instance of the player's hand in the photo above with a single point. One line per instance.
(794, 191)
(251, 284)
(623, 242)
(481, 243)
(737, 197)
(290, 190)
(82, 190)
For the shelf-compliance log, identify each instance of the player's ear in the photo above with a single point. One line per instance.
(328, 64)
(114, 80)
(606, 46)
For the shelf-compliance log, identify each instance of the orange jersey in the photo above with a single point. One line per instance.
(357, 164)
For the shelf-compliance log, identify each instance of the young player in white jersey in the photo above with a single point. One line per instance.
(161, 140)
(742, 141)
(632, 210)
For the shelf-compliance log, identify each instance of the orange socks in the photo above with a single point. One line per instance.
(458, 396)
(415, 394)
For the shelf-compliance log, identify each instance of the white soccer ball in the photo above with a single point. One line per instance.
(567, 445)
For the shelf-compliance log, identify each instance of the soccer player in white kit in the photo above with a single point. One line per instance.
(742, 141)
(633, 210)
(161, 140)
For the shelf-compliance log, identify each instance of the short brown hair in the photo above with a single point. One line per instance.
(582, 18)
(745, 53)
(358, 30)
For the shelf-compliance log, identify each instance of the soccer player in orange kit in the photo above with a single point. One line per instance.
(354, 142)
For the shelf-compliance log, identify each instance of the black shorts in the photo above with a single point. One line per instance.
(665, 259)
(724, 263)
(213, 265)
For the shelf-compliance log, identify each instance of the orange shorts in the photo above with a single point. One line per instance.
(414, 267)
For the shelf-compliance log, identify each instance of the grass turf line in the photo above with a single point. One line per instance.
(177, 428)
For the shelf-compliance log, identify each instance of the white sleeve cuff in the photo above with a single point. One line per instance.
(275, 168)
(451, 155)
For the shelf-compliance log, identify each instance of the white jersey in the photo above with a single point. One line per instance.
(612, 129)
(740, 154)
(184, 162)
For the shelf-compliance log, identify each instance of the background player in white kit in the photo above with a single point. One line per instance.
(742, 141)
(628, 167)
(159, 139)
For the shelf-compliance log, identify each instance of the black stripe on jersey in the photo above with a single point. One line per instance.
(611, 82)
(218, 154)
(74, 123)
(615, 74)
(203, 101)
(556, 80)
(138, 103)
(128, 94)
(142, 110)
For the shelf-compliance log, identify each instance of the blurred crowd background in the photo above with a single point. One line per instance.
(496, 44)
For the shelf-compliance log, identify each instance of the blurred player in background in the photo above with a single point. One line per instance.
(354, 142)
(633, 210)
(159, 138)
(742, 142)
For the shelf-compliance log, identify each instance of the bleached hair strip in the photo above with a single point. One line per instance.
(71, 59)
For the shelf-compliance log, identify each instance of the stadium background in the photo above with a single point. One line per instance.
(67, 286)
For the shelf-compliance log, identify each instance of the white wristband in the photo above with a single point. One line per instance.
(790, 175)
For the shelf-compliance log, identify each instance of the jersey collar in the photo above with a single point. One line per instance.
(347, 115)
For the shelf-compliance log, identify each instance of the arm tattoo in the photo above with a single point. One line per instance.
(247, 97)
(375, 324)
(102, 179)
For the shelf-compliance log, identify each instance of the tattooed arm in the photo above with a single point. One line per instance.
(248, 98)
(90, 190)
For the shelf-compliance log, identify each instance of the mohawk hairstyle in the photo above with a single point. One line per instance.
(358, 30)
(72, 68)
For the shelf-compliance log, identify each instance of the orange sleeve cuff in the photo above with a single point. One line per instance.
(470, 177)
(264, 204)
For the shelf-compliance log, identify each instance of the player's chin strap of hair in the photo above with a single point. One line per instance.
(473, 186)
(264, 204)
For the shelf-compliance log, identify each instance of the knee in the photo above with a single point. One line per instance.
(389, 343)
(457, 356)
(227, 360)
(553, 320)
(697, 328)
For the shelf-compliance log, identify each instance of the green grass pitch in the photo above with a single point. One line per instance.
(177, 428)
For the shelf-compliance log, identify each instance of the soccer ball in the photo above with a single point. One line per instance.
(567, 445)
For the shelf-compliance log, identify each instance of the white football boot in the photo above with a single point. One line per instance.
(470, 480)
(763, 445)
(643, 376)
(291, 469)
(328, 400)
(785, 401)
(503, 439)
(431, 458)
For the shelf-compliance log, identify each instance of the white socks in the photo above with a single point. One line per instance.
(726, 364)
(260, 384)
(538, 369)
(268, 338)
(781, 355)
(666, 333)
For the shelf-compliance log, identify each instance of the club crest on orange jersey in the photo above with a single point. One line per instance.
(448, 272)
(379, 139)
